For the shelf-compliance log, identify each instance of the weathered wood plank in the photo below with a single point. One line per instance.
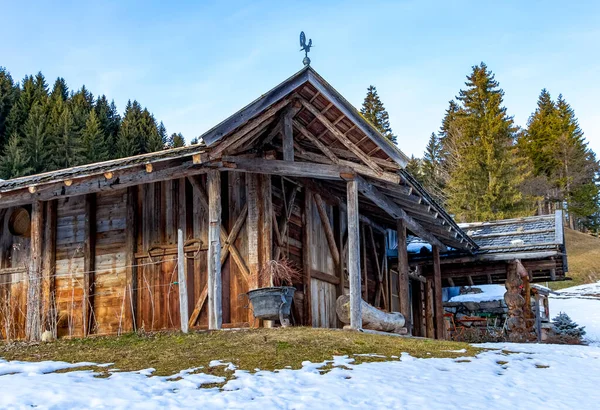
(198, 308)
(89, 264)
(33, 320)
(335, 254)
(324, 149)
(354, 255)
(438, 303)
(403, 281)
(288, 135)
(49, 268)
(215, 312)
(289, 169)
(182, 281)
(306, 255)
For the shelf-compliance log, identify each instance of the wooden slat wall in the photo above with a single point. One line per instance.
(70, 234)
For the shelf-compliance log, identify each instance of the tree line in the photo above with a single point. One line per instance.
(481, 166)
(43, 129)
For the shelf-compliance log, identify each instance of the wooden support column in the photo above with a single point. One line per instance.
(403, 284)
(363, 256)
(89, 264)
(33, 319)
(182, 280)
(130, 250)
(417, 309)
(538, 318)
(438, 304)
(354, 255)
(49, 270)
(215, 307)
(307, 255)
(429, 315)
(288, 135)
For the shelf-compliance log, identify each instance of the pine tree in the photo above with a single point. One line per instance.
(7, 100)
(176, 140)
(81, 103)
(128, 142)
(94, 145)
(563, 325)
(158, 139)
(374, 112)
(484, 171)
(66, 145)
(14, 162)
(415, 168)
(110, 120)
(432, 168)
(24, 100)
(60, 90)
(35, 141)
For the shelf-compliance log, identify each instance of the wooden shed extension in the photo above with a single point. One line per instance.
(297, 173)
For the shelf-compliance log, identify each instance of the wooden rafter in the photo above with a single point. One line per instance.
(290, 169)
(324, 149)
(396, 212)
(335, 254)
(341, 137)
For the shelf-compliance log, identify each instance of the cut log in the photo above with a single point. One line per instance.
(372, 318)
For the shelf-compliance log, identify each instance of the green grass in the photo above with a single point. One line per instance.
(265, 349)
(583, 255)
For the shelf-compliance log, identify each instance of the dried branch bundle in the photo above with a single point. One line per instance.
(281, 272)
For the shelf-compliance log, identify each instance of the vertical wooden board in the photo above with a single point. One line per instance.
(200, 231)
(403, 281)
(70, 229)
(239, 311)
(354, 255)
(438, 304)
(111, 302)
(321, 259)
(323, 304)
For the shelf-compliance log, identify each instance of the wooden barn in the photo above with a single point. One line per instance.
(296, 174)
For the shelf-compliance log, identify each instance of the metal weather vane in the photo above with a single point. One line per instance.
(305, 47)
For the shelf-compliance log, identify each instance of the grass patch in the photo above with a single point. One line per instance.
(265, 349)
(583, 253)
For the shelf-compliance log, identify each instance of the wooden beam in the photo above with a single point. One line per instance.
(341, 137)
(396, 212)
(288, 135)
(354, 255)
(198, 308)
(266, 220)
(403, 281)
(363, 260)
(289, 169)
(89, 264)
(319, 144)
(307, 254)
(33, 319)
(325, 277)
(438, 303)
(234, 138)
(335, 254)
(130, 250)
(98, 183)
(429, 311)
(215, 319)
(182, 282)
(49, 268)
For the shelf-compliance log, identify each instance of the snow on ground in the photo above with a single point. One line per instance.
(582, 304)
(535, 376)
(489, 292)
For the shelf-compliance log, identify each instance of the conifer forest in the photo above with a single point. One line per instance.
(478, 163)
(482, 166)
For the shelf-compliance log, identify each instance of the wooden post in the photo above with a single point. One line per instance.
(354, 255)
(429, 315)
(288, 136)
(215, 318)
(403, 285)
(182, 280)
(307, 255)
(33, 322)
(89, 264)
(438, 303)
(363, 256)
(130, 250)
(49, 269)
(339, 237)
(538, 318)
(266, 228)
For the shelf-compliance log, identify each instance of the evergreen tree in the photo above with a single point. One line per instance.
(158, 139)
(563, 325)
(176, 140)
(35, 141)
(484, 171)
(194, 141)
(66, 144)
(94, 145)
(7, 100)
(14, 162)
(374, 112)
(81, 103)
(25, 98)
(110, 121)
(128, 142)
(432, 168)
(415, 168)
(60, 90)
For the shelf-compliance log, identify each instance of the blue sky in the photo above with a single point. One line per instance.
(195, 63)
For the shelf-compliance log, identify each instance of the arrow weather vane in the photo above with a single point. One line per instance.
(305, 47)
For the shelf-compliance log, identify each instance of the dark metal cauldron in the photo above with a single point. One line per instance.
(272, 303)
